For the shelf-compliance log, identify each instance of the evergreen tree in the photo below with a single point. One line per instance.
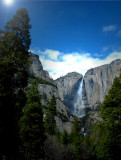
(85, 151)
(64, 138)
(50, 123)
(111, 107)
(31, 125)
(14, 45)
(100, 141)
(75, 131)
(77, 148)
(76, 138)
(14, 63)
(18, 27)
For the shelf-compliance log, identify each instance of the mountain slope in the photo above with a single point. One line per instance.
(36, 68)
(68, 86)
(46, 89)
(98, 81)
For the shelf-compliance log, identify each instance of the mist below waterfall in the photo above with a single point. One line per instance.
(78, 105)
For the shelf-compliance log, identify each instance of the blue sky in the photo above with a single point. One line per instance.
(71, 35)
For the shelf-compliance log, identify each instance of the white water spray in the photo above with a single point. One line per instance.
(78, 105)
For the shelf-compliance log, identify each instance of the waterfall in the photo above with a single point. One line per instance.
(78, 105)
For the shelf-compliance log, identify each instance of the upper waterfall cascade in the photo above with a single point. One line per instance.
(78, 105)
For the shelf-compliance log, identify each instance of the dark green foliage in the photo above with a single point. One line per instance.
(75, 132)
(81, 143)
(14, 57)
(85, 151)
(64, 138)
(52, 105)
(31, 124)
(111, 113)
(14, 63)
(58, 135)
(75, 138)
(40, 80)
(99, 141)
(19, 27)
(98, 108)
(62, 116)
(111, 107)
(77, 148)
(50, 123)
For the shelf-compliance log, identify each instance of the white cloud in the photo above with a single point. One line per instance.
(109, 28)
(52, 54)
(72, 62)
(113, 56)
(48, 53)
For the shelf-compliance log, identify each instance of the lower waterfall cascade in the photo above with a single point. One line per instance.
(78, 105)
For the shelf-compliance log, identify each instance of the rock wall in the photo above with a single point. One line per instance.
(68, 86)
(64, 120)
(98, 81)
(36, 68)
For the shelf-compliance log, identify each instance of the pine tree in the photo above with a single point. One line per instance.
(64, 138)
(75, 131)
(75, 138)
(14, 63)
(18, 27)
(50, 123)
(110, 109)
(32, 126)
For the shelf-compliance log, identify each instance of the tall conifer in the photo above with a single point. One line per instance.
(31, 125)
(14, 63)
(50, 123)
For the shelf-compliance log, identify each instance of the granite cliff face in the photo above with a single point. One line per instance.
(64, 120)
(68, 86)
(37, 69)
(98, 81)
(96, 84)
